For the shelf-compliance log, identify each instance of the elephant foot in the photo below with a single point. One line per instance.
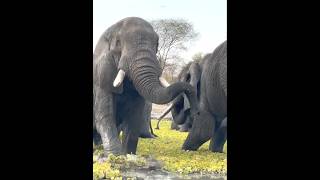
(147, 136)
(190, 146)
(116, 153)
(97, 141)
(115, 150)
(217, 149)
(96, 138)
(183, 129)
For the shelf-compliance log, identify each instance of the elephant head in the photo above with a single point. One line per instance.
(132, 45)
(180, 107)
(180, 111)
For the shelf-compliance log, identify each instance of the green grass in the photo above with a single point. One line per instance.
(166, 148)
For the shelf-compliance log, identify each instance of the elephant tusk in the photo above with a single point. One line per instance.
(119, 79)
(164, 82)
(166, 111)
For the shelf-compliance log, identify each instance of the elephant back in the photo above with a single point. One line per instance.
(222, 66)
(214, 76)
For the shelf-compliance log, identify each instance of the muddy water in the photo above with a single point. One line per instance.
(160, 174)
(153, 171)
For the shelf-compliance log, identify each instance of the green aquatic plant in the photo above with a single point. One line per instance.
(165, 148)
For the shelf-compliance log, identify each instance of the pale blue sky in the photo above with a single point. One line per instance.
(209, 18)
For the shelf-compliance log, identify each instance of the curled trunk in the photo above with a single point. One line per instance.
(145, 72)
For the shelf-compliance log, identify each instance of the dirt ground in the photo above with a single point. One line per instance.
(157, 110)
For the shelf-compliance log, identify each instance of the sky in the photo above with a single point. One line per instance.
(209, 18)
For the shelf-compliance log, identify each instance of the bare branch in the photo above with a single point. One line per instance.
(174, 34)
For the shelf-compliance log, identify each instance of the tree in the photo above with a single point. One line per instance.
(197, 57)
(174, 36)
(171, 71)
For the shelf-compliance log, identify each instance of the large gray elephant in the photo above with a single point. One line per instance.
(212, 104)
(180, 108)
(126, 74)
(211, 88)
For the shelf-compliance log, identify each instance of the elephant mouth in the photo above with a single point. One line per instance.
(180, 110)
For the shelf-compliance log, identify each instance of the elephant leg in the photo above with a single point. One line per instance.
(146, 128)
(96, 138)
(174, 126)
(185, 126)
(104, 109)
(182, 116)
(132, 127)
(201, 131)
(219, 138)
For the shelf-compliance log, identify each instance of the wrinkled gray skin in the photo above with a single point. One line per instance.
(146, 128)
(191, 74)
(180, 112)
(212, 93)
(144, 131)
(130, 45)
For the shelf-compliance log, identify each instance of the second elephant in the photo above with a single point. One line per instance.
(208, 77)
(212, 121)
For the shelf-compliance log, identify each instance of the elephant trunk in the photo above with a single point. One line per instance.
(144, 71)
(177, 111)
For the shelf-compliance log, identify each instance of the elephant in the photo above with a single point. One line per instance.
(212, 104)
(180, 109)
(145, 131)
(211, 88)
(190, 73)
(127, 75)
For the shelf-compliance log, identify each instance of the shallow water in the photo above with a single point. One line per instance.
(160, 174)
(153, 171)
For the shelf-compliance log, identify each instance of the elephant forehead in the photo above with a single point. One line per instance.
(135, 22)
(140, 36)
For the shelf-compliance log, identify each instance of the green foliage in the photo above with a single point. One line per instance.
(105, 171)
(167, 148)
(111, 168)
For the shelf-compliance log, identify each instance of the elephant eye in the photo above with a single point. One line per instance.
(188, 78)
(118, 43)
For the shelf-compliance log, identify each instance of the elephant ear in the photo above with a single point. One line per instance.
(112, 35)
(108, 72)
(107, 53)
(195, 74)
(193, 78)
(114, 44)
